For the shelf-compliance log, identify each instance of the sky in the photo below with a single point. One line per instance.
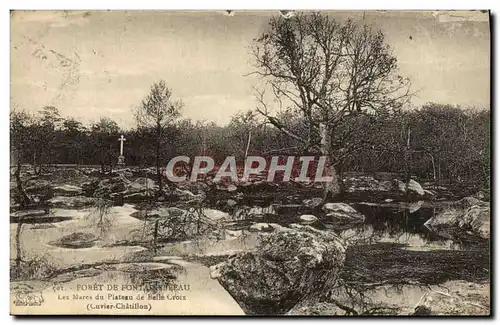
(92, 64)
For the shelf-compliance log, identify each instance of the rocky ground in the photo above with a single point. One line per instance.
(271, 248)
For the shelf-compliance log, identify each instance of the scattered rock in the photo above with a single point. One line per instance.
(73, 202)
(40, 187)
(186, 195)
(429, 192)
(468, 202)
(68, 190)
(288, 266)
(126, 172)
(141, 184)
(76, 240)
(110, 185)
(28, 213)
(456, 222)
(413, 187)
(90, 187)
(308, 219)
(139, 190)
(477, 218)
(366, 184)
(141, 267)
(136, 197)
(231, 203)
(286, 208)
(28, 216)
(342, 212)
(66, 277)
(313, 203)
(400, 186)
(261, 226)
(165, 258)
(215, 215)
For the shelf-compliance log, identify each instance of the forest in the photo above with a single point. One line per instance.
(445, 143)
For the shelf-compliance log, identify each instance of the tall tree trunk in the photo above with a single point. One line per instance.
(330, 189)
(25, 201)
(18, 244)
(155, 236)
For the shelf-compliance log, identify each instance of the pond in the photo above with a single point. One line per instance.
(391, 244)
(396, 222)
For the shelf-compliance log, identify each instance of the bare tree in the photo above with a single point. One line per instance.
(21, 143)
(157, 112)
(326, 72)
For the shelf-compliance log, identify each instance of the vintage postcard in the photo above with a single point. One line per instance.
(317, 163)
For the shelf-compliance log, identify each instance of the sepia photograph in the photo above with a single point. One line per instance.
(250, 162)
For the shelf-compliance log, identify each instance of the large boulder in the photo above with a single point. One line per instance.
(401, 187)
(215, 215)
(140, 189)
(89, 187)
(39, 187)
(68, 190)
(468, 202)
(288, 266)
(141, 184)
(477, 218)
(76, 240)
(342, 213)
(465, 216)
(109, 186)
(413, 187)
(131, 191)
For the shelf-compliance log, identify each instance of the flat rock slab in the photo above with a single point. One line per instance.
(73, 201)
(75, 240)
(140, 267)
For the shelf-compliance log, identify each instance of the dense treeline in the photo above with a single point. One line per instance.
(440, 142)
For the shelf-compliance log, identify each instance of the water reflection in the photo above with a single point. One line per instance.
(393, 222)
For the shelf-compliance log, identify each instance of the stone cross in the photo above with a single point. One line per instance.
(121, 158)
(121, 139)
